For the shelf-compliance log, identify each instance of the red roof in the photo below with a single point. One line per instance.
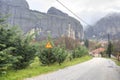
(97, 51)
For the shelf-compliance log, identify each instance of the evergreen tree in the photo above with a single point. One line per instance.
(47, 57)
(60, 55)
(26, 52)
(87, 43)
(109, 49)
(6, 37)
(6, 59)
(17, 48)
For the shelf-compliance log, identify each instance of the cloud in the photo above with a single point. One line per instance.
(40, 5)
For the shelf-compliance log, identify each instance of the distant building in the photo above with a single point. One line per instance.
(97, 52)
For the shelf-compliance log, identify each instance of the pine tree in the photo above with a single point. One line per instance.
(6, 37)
(14, 49)
(25, 51)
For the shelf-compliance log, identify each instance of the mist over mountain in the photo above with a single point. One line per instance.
(110, 24)
(55, 21)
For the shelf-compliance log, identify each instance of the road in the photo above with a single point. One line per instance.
(95, 69)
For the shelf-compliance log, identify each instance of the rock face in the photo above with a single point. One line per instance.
(54, 11)
(109, 24)
(18, 13)
(54, 21)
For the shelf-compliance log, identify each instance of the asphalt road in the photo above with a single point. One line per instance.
(95, 69)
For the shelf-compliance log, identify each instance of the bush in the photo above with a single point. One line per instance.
(47, 57)
(60, 55)
(50, 56)
(79, 52)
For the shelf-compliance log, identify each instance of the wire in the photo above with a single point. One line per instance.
(73, 13)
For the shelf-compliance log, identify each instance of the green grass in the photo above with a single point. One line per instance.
(116, 61)
(36, 69)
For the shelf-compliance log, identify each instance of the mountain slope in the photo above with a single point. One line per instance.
(109, 24)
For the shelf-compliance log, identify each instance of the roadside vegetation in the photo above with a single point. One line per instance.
(116, 61)
(112, 48)
(36, 68)
(21, 56)
(116, 51)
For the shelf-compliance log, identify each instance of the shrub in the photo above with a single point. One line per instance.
(79, 52)
(60, 55)
(47, 57)
(50, 56)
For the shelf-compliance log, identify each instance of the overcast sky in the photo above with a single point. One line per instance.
(89, 10)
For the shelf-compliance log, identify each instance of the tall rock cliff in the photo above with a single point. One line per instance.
(110, 24)
(18, 13)
(54, 21)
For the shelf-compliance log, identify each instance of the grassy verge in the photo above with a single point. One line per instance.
(116, 61)
(36, 69)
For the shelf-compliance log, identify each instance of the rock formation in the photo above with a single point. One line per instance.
(54, 21)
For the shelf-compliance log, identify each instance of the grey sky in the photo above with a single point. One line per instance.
(88, 10)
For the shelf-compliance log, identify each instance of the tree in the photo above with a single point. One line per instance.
(116, 49)
(87, 43)
(60, 55)
(23, 52)
(47, 57)
(6, 37)
(79, 52)
(109, 49)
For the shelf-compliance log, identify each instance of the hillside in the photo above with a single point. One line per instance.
(110, 24)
